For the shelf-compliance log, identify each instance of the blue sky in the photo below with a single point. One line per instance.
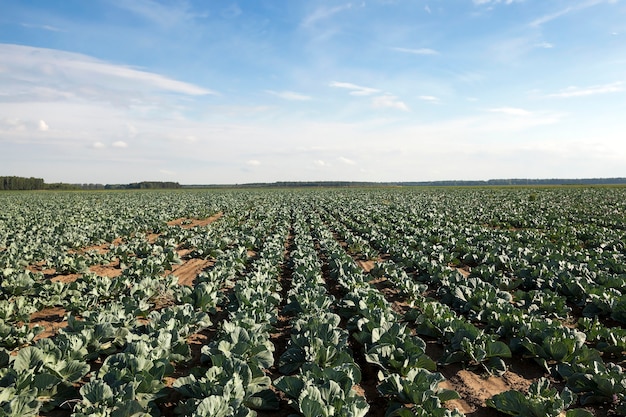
(115, 91)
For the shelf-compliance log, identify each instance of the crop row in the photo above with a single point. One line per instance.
(486, 275)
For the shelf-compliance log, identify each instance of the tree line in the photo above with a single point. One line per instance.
(13, 183)
(21, 183)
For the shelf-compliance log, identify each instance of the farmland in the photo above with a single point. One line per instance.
(316, 302)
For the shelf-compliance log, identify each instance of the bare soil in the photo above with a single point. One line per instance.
(52, 319)
(189, 270)
(188, 223)
(366, 265)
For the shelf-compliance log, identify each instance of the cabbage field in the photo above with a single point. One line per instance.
(314, 302)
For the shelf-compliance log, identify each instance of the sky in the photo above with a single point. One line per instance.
(223, 92)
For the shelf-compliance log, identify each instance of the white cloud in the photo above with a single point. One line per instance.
(545, 45)
(253, 163)
(389, 101)
(42, 27)
(507, 2)
(120, 144)
(98, 145)
(323, 13)
(431, 99)
(581, 6)
(164, 14)
(589, 91)
(549, 17)
(43, 126)
(356, 90)
(346, 161)
(320, 163)
(289, 95)
(231, 11)
(11, 123)
(510, 111)
(55, 67)
(418, 51)
(133, 75)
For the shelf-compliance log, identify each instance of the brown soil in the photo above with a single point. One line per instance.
(101, 248)
(475, 389)
(112, 270)
(189, 270)
(65, 278)
(367, 266)
(464, 270)
(188, 223)
(38, 267)
(52, 319)
(152, 237)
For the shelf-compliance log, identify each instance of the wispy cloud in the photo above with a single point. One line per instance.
(589, 91)
(418, 51)
(355, 90)
(52, 68)
(289, 95)
(431, 99)
(389, 101)
(323, 13)
(130, 74)
(549, 17)
(42, 27)
(555, 15)
(43, 126)
(510, 111)
(168, 14)
(545, 45)
(253, 163)
(483, 2)
(346, 161)
(231, 11)
(120, 144)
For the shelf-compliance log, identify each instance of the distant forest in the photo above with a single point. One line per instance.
(455, 183)
(23, 183)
